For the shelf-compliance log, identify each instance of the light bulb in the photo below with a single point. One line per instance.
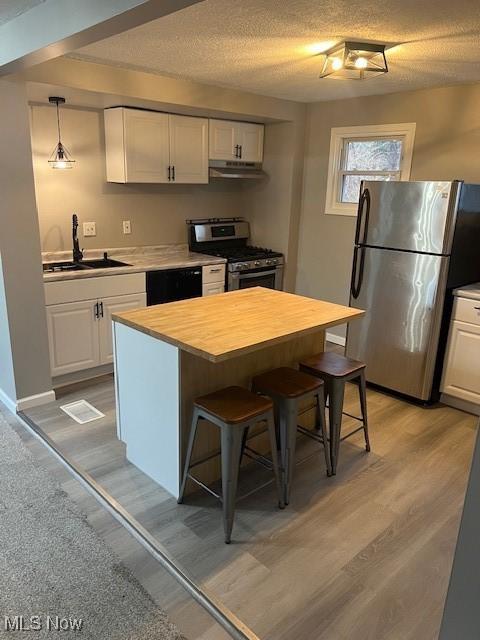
(361, 62)
(60, 164)
(337, 63)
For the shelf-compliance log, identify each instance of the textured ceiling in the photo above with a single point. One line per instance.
(10, 9)
(268, 47)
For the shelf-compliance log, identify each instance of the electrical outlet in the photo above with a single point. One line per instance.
(89, 229)
(127, 227)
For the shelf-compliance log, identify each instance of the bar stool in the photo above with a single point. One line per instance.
(234, 410)
(335, 370)
(288, 387)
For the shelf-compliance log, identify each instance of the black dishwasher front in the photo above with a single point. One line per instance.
(173, 284)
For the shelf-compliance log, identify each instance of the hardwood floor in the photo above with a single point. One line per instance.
(365, 555)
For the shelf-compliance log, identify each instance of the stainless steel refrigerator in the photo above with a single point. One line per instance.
(414, 243)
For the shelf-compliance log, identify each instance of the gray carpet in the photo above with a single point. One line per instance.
(52, 563)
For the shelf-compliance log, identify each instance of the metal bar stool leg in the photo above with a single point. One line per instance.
(290, 416)
(336, 397)
(321, 426)
(362, 389)
(276, 470)
(231, 443)
(188, 459)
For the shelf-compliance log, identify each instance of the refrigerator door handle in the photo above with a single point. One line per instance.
(357, 271)
(364, 200)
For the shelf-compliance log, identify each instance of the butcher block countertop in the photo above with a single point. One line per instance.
(230, 324)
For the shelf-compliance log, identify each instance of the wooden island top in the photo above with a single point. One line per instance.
(230, 324)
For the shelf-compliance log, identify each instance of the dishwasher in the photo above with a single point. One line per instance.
(169, 285)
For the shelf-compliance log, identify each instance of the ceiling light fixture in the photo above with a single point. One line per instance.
(354, 60)
(60, 158)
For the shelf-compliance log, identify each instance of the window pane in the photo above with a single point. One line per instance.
(351, 186)
(373, 155)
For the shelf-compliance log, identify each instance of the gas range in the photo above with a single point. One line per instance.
(246, 265)
(241, 258)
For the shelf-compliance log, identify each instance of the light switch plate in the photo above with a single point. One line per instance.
(89, 229)
(127, 227)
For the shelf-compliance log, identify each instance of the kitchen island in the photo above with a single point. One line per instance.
(167, 355)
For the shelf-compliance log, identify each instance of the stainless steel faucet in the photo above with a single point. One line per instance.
(77, 253)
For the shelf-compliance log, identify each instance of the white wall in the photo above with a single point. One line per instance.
(157, 212)
(447, 144)
(22, 302)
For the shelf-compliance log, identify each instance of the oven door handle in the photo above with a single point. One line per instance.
(255, 274)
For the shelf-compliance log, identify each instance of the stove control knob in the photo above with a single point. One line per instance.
(268, 262)
(257, 263)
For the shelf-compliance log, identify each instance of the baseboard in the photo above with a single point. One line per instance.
(332, 337)
(36, 400)
(8, 402)
(81, 376)
(458, 403)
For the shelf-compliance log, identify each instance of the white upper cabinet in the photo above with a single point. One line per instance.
(146, 152)
(153, 147)
(223, 140)
(236, 141)
(250, 140)
(188, 149)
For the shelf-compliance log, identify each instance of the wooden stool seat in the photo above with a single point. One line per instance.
(286, 382)
(234, 405)
(332, 365)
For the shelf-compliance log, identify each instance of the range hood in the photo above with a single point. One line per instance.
(231, 169)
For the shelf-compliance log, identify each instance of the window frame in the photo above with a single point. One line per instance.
(342, 135)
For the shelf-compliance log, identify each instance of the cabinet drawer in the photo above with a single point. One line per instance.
(213, 273)
(467, 310)
(92, 288)
(212, 288)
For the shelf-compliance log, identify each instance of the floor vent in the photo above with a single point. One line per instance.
(82, 411)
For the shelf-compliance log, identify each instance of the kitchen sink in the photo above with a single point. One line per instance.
(54, 267)
(101, 263)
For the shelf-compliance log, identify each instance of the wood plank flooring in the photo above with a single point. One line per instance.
(362, 556)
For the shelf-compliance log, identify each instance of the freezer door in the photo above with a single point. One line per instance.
(403, 295)
(413, 216)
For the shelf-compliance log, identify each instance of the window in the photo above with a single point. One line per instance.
(381, 152)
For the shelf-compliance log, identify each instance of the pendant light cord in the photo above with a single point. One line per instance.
(58, 122)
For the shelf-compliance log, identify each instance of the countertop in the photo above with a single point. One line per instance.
(235, 323)
(472, 291)
(139, 259)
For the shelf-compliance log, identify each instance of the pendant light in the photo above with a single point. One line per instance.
(354, 61)
(60, 158)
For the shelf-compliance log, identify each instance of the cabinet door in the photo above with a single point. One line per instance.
(146, 146)
(108, 306)
(212, 288)
(250, 139)
(73, 337)
(189, 149)
(222, 140)
(461, 377)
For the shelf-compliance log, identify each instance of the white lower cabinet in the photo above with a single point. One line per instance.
(461, 373)
(79, 319)
(462, 368)
(73, 337)
(108, 307)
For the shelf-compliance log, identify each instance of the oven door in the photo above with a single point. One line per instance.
(270, 279)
